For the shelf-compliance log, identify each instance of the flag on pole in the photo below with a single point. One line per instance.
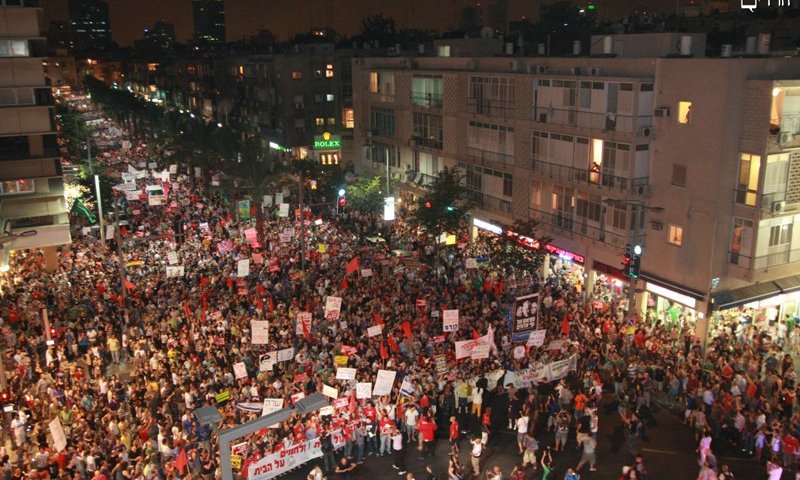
(407, 330)
(565, 325)
(392, 344)
(79, 208)
(181, 461)
(352, 266)
(129, 285)
(384, 353)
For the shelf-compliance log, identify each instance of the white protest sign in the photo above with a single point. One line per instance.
(366, 272)
(271, 405)
(464, 348)
(109, 232)
(286, 354)
(266, 201)
(259, 330)
(449, 320)
(329, 391)
(374, 331)
(239, 370)
(480, 352)
(283, 210)
(278, 198)
(57, 431)
(536, 338)
(243, 267)
(333, 306)
(303, 323)
(173, 272)
(559, 369)
(172, 258)
(519, 352)
(363, 390)
(384, 382)
(267, 361)
(471, 263)
(345, 373)
(173, 169)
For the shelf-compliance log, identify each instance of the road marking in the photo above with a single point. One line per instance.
(653, 450)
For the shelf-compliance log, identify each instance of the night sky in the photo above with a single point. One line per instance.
(285, 18)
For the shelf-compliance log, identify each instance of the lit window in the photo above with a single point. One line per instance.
(349, 118)
(780, 235)
(747, 189)
(16, 186)
(19, 48)
(329, 70)
(331, 121)
(319, 121)
(374, 84)
(329, 97)
(675, 235)
(684, 112)
(297, 75)
(241, 69)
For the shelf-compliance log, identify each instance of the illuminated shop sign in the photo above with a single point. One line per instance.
(489, 227)
(530, 242)
(565, 254)
(327, 140)
(671, 295)
(523, 240)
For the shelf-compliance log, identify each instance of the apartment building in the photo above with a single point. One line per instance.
(31, 185)
(644, 142)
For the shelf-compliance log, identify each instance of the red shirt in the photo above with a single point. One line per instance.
(426, 429)
(454, 430)
(790, 443)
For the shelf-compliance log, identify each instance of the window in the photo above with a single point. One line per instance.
(318, 98)
(297, 75)
(349, 118)
(13, 48)
(679, 175)
(329, 158)
(426, 91)
(298, 102)
(329, 97)
(329, 70)
(373, 82)
(780, 235)
(487, 95)
(675, 235)
(443, 51)
(508, 185)
(331, 121)
(618, 216)
(684, 112)
(381, 121)
(16, 186)
(497, 140)
(749, 169)
(589, 208)
(428, 130)
(317, 73)
(383, 84)
(319, 121)
(299, 124)
(776, 176)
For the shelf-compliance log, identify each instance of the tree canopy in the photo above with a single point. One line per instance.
(444, 205)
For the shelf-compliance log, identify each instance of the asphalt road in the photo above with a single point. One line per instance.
(668, 451)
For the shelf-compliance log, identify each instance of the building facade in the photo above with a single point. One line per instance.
(90, 24)
(691, 158)
(31, 185)
(209, 21)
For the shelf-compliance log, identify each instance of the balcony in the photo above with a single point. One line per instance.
(428, 142)
(426, 100)
(605, 122)
(489, 202)
(587, 177)
(419, 178)
(487, 156)
(764, 261)
(491, 108)
(569, 225)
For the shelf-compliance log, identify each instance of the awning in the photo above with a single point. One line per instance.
(741, 296)
(789, 284)
(672, 286)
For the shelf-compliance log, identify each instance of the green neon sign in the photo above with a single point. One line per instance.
(333, 143)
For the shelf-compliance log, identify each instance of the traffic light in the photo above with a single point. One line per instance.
(342, 202)
(427, 204)
(627, 260)
(636, 264)
(313, 184)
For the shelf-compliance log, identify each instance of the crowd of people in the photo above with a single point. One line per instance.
(124, 373)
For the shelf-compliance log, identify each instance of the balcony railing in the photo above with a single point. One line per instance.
(488, 156)
(491, 108)
(419, 178)
(569, 223)
(428, 142)
(489, 202)
(614, 122)
(585, 176)
(764, 261)
(427, 100)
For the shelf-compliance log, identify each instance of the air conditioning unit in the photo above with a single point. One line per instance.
(594, 71)
(537, 68)
(577, 71)
(785, 137)
(778, 207)
(662, 112)
(646, 131)
(644, 190)
(658, 226)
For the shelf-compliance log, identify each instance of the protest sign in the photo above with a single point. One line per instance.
(333, 306)
(329, 391)
(363, 390)
(243, 267)
(271, 405)
(239, 370)
(384, 382)
(450, 320)
(303, 323)
(536, 338)
(344, 373)
(259, 330)
(286, 354)
(374, 331)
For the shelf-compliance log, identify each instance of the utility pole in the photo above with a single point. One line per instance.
(121, 269)
(96, 188)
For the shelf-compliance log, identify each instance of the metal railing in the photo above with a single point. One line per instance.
(492, 108)
(486, 155)
(489, 202)
(427, 142)
(615, 122)
(427, 100)
(585, 176)
(419, 178)
(569, 223)
(764, 261)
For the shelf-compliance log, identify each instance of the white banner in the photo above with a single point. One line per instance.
(480, 352)
(303, 318)
(536, 338)
(464, 348)
(278, 463)
(286, 354)
(266, 201)
(243, 267)
(384, 382)
(132, 196)
(363, 390)
(57, 431)
(333, 307)
(283, 210)
(239, 370)
(173, 272)
(345, 373)
(271, 405)
(449, 320)
(259, 330)
(267, 361)
(329, 391)
(172, 258)
(374, 331)
(366, 272)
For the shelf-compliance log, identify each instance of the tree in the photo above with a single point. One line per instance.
(365, 195)
(444, 205)
(515, 253)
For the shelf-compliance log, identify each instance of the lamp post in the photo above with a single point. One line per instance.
(638, 208)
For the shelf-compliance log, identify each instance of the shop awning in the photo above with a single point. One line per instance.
(789, 284)
(740, 296)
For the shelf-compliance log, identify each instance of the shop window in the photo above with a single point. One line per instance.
(679, 175)
(684, 112)
(675, 235)
(780, 235)
(297, 75)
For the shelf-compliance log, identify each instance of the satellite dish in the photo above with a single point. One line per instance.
(487, 32)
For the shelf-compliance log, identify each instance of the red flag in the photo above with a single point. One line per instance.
(203, 282)
(352, 266)
(377, 318)
(306, 333)
(487, 285)
(271, 305)
(260, 290)
(204, 300)
(129, 285)
(498, 288)
(229, 283)
(203, 316)
(392, 344)
(475, 334)
(181, 461)
(187, 309)
(344, 284)
(407, 329)
(565, 325)
(260, 303)
(384, 353)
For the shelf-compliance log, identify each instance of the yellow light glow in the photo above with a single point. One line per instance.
(776, 91)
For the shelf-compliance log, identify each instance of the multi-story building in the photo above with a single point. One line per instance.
(31, 185)
(90, 24)
(209, 20)
(696, 159)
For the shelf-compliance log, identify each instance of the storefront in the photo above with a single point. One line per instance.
(328, 148)
(671, 305)
(608, 283)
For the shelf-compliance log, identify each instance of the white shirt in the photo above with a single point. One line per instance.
(522, 424)
(477, 395)
(397, 441)
(477, 449)
(775, 473)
